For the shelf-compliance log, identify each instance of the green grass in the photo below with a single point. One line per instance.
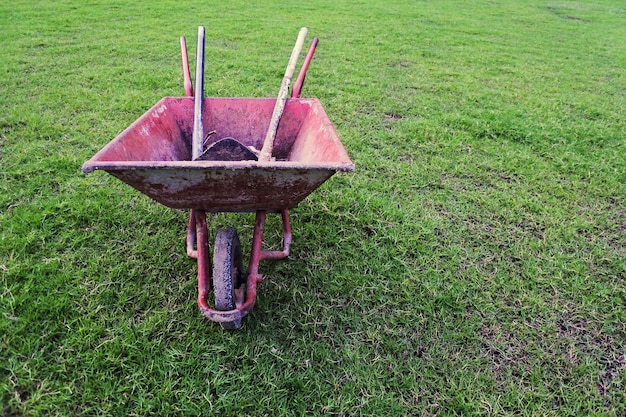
(473, 264)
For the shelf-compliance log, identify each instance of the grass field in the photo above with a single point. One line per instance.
(473, 264)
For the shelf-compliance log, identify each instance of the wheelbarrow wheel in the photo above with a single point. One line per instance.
(228, 274)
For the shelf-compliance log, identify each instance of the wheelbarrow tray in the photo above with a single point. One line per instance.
(153, 155)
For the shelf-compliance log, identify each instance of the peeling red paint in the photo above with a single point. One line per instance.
(153, 155)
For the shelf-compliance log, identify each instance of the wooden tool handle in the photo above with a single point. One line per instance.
(268, 144)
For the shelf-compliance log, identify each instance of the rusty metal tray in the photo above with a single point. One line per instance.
(153, 155)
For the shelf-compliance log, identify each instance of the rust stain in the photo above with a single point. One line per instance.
(152, 155)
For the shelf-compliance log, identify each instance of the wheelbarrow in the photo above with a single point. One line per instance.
(153, 155)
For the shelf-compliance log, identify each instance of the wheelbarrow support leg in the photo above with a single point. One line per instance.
(191, 235)
(202, 255)
(286, 239)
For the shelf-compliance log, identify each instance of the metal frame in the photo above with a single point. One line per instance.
(198, 248)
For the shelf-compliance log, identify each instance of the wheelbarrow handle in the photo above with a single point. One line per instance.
(186, 74)
(297, 86)
(268, 143)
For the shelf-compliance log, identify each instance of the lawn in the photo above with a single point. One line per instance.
(473, 264)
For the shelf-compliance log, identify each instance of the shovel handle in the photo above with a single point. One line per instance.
(268, 144)
(198, 127)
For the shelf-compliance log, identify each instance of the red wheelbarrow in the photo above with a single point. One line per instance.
(153, 155)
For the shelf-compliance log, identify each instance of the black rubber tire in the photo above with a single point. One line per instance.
(228, 273)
